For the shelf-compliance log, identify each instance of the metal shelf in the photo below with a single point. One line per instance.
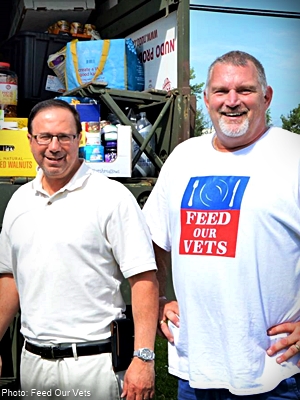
(158, 103)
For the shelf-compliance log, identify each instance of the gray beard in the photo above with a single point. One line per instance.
(231, 130)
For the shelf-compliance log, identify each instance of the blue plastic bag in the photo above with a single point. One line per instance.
(114, 63)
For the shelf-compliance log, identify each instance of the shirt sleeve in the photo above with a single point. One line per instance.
(5, 245)
(156, 211)
(130, 238)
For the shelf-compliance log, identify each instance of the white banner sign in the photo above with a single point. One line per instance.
(156, 45)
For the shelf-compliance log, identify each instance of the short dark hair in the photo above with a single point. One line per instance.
(240, 58)
(54, 103)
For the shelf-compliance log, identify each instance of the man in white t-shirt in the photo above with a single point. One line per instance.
(226, 208)
(69, 239)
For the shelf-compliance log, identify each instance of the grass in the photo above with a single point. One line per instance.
(166, 384)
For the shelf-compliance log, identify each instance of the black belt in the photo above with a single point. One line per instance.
(65, 350)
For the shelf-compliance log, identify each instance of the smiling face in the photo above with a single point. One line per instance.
(58, 161)
(237, 105)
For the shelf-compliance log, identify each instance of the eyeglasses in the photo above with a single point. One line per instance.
(46, 138)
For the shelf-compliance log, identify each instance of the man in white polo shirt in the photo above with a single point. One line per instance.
(69, 238)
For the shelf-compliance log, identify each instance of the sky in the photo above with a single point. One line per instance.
(274, 41)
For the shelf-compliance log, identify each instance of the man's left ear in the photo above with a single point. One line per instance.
(268, 95)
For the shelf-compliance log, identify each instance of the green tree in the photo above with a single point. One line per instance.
(292, 121)
(268, 117)
(201, 122)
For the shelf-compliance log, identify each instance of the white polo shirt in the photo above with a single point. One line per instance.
(69, 253)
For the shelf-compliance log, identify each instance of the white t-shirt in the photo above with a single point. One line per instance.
(69, 253)
(232, 223)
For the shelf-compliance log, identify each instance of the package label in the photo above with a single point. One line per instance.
(16, 158)
(8, 93)
(53, 84)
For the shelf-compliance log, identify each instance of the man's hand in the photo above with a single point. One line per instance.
(139, 380)
(291, 342)
(168, 310)
(140, 376)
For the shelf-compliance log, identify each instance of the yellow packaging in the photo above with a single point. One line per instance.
(82, 142)
(16, 159)
(22, 122)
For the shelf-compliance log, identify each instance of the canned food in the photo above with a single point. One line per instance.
(63, 26)
(110, 151)
(76, 27)
(92, 126)
(52, 28)
(88, 28)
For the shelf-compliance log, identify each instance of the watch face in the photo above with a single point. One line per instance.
(146, 354)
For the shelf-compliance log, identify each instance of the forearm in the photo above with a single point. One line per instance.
(144, 299)
(168, 310)
(9, 302)
(163, 261)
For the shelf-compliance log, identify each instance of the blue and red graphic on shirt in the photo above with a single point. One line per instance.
(210, 211)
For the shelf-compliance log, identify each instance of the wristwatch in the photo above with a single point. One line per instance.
(144, 354)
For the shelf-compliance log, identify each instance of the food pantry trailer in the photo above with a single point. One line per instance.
(160, 32)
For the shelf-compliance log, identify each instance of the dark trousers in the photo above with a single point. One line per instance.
(288, 389)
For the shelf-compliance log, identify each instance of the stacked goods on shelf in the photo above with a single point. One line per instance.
(38, 15)
(48, 61)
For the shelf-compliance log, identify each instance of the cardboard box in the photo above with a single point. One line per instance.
(38, 15)
(156, 45)
(88, 109)
(22, 122)
(122, 166)
(16, 159)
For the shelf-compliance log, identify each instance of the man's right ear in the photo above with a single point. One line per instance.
(205, 100)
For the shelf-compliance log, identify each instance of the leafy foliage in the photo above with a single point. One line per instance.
(201, 122)
(292, 121)
(268, 117)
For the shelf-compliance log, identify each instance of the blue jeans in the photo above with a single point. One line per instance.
(288, 389)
